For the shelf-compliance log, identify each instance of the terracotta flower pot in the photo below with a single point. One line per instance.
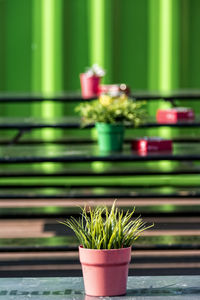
(89, 85)
(105, 272)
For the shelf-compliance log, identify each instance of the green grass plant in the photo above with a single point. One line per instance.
(101, 228)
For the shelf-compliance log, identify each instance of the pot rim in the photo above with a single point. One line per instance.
(104, 250)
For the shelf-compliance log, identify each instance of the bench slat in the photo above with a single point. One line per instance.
(70, 243)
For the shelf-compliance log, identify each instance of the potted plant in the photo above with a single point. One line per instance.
(111, 114)
(106, 237)
(90, 81)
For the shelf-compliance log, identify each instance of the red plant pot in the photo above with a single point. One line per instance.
(105, 272)
(89, 85)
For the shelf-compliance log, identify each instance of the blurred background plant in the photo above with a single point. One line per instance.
(112, 110)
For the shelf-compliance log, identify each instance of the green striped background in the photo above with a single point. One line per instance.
(148, 44)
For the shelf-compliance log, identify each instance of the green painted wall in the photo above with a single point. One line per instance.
(75, 42)
(15, 54)
(149, 44)
(130, 60)
(18, 45)
(190, 45)
(2, 45)
(46, 44)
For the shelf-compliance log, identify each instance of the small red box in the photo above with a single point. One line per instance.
(153, 144)
(114, 88)
(173, 115)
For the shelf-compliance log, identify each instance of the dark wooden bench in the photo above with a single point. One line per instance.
(34, 195)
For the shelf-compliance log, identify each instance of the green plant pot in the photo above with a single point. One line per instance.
(110, 137)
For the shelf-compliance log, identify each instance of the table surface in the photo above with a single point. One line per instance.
(141, 288)
(182, 94)
(75, 122)
(91, 153)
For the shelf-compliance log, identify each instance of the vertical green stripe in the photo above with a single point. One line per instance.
(47, 46)
(2, 45)
(165, 49)
(47, 62)
(51, 46)
(58, 45)
(36, 62)
(153, 44)
(47, 58)
(163, 71)
(175, 49)
(48, 23)
(36, 47)
(184, 43)
(51, 56)
(108, 39)
(169, 44)
(153, 56)
(165, 25)
(51, 49)
(96, 28)
(100, 35)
